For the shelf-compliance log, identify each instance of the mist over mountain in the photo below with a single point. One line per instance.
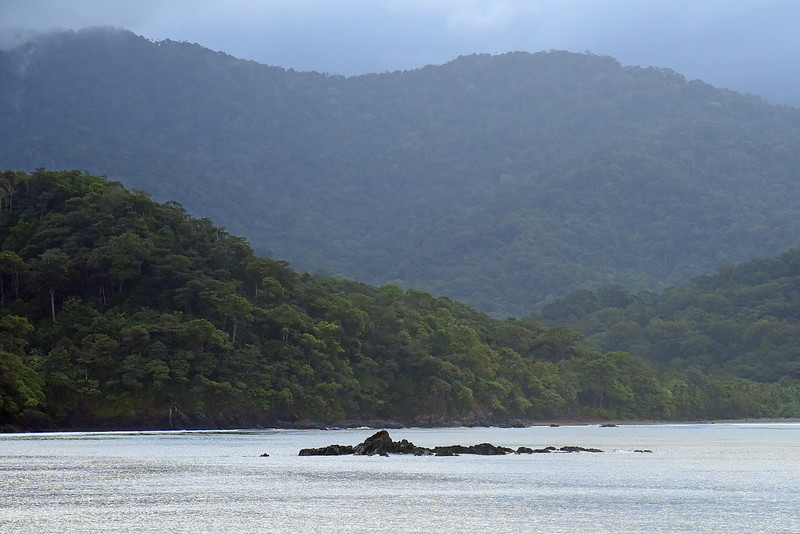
(503, 181)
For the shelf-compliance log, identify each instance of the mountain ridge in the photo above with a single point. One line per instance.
(503, 181)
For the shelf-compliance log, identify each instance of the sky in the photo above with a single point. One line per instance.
(751, 46)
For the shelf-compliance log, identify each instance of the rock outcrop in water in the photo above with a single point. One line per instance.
(330, 450)
(381, 444)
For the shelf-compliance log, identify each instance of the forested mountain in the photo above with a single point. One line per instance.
(742, 322)
(503, 181)
(116, 311)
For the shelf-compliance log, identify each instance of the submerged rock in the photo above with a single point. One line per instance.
(568, 448)
(573, 448)
(528, 450)
(536, 451)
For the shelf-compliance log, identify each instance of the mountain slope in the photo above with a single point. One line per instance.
(741, 321)
(116, 311)
(502, 181)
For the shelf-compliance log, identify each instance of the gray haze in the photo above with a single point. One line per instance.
(748, 45)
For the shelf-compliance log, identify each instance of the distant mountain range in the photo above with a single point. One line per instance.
(503, 181)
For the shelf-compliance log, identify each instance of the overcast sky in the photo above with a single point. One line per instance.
(747, 45)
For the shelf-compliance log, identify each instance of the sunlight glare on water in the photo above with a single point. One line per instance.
(699, 478)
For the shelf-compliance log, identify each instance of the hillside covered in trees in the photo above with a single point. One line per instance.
(742, 323)
(501, 181)
(119, 312)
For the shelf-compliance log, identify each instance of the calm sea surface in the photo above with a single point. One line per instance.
(699, 478)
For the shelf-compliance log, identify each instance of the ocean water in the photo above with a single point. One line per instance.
(699, 478)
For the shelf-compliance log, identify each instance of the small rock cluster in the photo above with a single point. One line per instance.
(381, 444)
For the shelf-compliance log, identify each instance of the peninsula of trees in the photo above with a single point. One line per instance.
(120, 312)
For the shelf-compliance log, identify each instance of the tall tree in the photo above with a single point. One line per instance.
(50, 269)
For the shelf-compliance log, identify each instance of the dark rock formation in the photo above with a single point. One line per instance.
(378, 443)
(330, 450)
(381, 444)
(568, 448)
(406, 447)
(536, 451)
(486, 449)
(573, 448)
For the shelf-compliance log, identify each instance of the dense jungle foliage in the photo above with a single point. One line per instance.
(501, 181)
(116, 311)
(740, 325)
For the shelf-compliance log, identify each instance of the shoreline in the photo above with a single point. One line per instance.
(392, 425)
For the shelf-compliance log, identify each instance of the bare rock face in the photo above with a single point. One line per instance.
(379, 443)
